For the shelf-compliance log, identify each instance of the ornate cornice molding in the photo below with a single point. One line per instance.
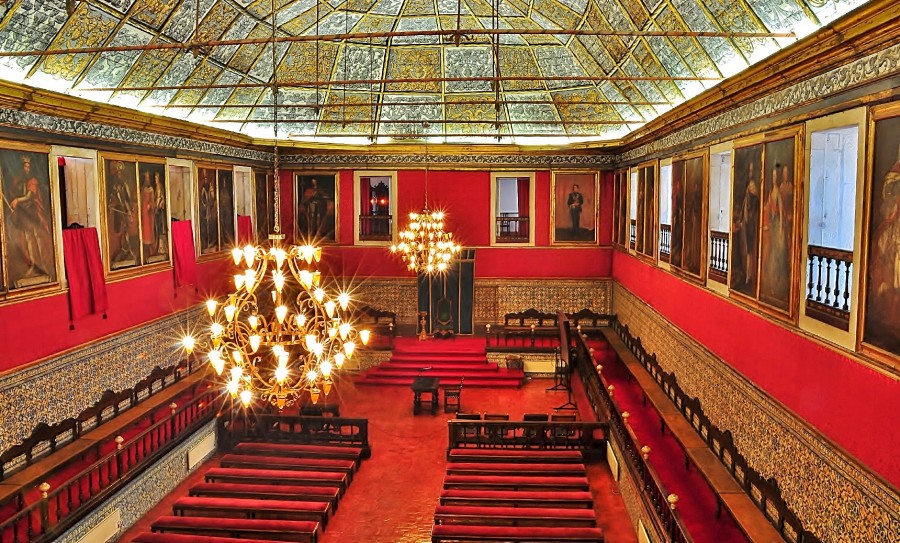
(601, 161)
(47, 123)
(859, 72)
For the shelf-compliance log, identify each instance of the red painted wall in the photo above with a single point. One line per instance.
(848, 402)
(35, 329)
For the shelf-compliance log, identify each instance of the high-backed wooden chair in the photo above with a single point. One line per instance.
(495, 434)
(531, 433)
(452, 397)
(469, 431)
(562, 432)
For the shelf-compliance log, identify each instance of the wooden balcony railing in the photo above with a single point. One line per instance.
(718, 256)
(830, 276)
(375, 227)
(512, 229)
(665, 241)
(632, 233)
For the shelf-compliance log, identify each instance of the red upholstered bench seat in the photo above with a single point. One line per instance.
(503, 468)
(301, 450)
(515, 455)
(441, 533)
(516, 516)
(148, 537)
(249, 508)
(517, 498)
(510, 482)
(288, 462)
(328, 494)
(277, 476)
(282, 530)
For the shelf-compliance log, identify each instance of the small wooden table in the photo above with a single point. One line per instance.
(421, 385)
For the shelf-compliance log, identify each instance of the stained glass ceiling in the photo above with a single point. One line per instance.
(361, 71)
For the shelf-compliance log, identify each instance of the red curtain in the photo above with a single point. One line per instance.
(84, 271)
(184, 257)
(244, 229)
(524, 205)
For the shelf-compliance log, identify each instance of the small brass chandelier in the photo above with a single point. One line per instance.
(280, 334)
(424, 245)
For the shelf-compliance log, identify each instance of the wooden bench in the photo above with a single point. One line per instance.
(514, 468)
(683, 419)
(304, 531)
(277, 476)
(518, 498)
(149, 537)
(508, 482)
(445, 533)
(515, 455)
(270, 492)
(289, 462)
(514, 516)
(252, 508)
(300, 450)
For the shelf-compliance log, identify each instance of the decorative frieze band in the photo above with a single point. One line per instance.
(594, 161)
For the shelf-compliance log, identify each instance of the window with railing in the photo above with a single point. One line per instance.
(512, 207)
(665, 211)
(719, 214)
(632, 208)
(831, 222)
(376, 207)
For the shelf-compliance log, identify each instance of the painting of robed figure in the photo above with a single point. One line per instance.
(27, 220)
(316, 204)
(745, 215)
(688, 215)
(777, 216)
(208, 211)
(881, 325)
(154, 213)
(122, 214)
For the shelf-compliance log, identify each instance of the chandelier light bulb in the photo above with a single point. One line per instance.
(188, 342)
(364, 336)
(232, 387)
(216, 330)
(332, 332)
(214, 355)
(237, 357)
(277, 349)
(219, 366)
(349, 347)
(246, 396)
(236, 373)
(281, 313)
(325, 368)
(249, 254)
(253, 320)
(236, 255)
(319, 294)
(249, 279)
(280, 256)
(306, 279)
(344, 300)
(281, 374)
(311, 376)
(300, 319)
(310, 342)
(329, 305)
(255, 341)
(344, 329)
(230, 310)
(211, 307)
(238, 281)
(278, 279)
(326, 386)
(314, 394)
(319, 350)
(339, 360)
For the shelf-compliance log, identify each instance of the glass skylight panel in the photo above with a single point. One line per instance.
(410, 24)
(468, 62)
(388, 7)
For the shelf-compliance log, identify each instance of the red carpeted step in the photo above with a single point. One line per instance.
(276, 530)
(440, 358)
(513, 468)
(530, 516)
(501, 379)
(184, 538)
(392, 365)
(520, 534)
(517, 498)
(276, 476)
(288, 462)
(453, 345)
(300, 450)
(514, 455)
(277, 492)
(511, 482)
(250, 508)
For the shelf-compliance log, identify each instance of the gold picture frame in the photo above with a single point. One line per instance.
(574, 208)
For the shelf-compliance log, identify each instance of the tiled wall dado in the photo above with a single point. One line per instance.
(496, 297)
(139, 497)
(63, 386)
(833, 497)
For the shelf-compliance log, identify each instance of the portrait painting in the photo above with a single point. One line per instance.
(154, 213)
(265, 205)
(575, 205)
(676, 240)
(27, 219)
(208, 210)
(777, 217)
(745, 215)
(179, 193)
(227, 217)
(694, 226)
(122, 214)
(646, 209)
(316, 207)
(882, 302)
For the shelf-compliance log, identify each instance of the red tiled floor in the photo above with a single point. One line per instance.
(392, 498)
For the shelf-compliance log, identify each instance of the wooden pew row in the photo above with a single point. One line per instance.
(300, 450)
(277, 477)
(518, 498)
(245, 508)
(515, 455)
(513, 516)
(446, 533)
(252, 461)
(303, 531)
(149, 537)
(270, 492)
(512, 468)
(509, 482)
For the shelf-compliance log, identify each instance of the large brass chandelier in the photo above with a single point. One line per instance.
(424, 245)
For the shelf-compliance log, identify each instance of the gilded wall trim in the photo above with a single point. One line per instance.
(593, 161)
(867, 69)
(830, 492)
(45, 393)
(48, 123)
